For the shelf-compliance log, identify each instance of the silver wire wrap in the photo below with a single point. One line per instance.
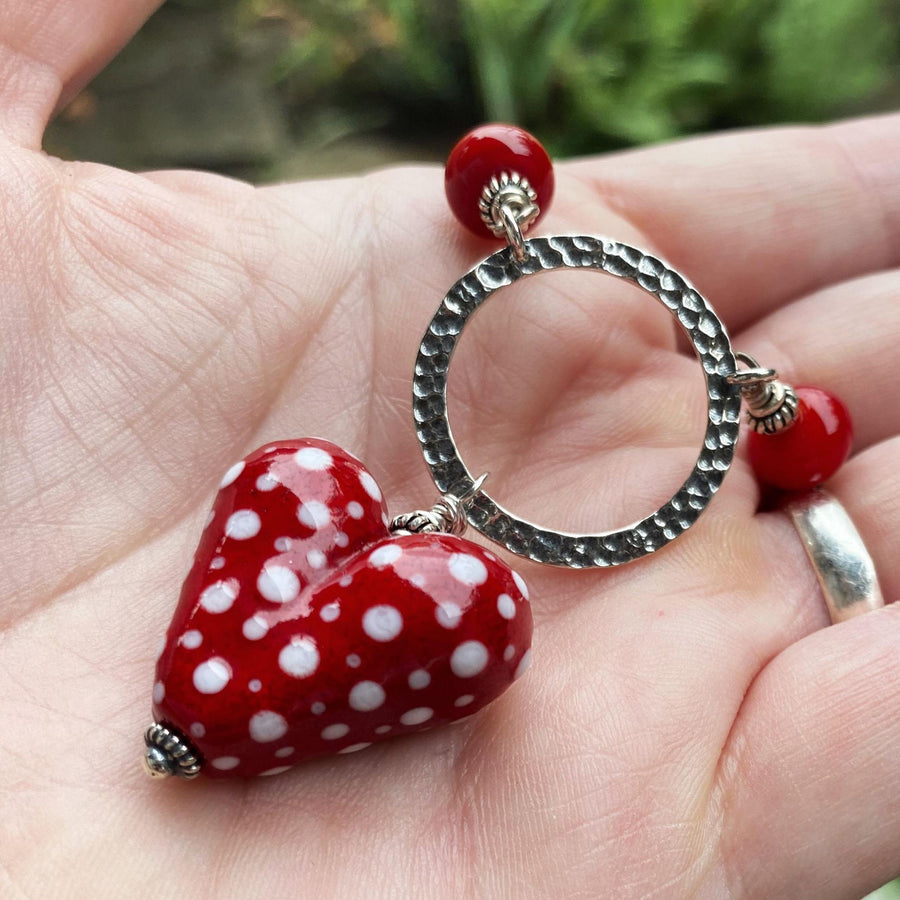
(771, 404)
(508, 207)
(447, 516)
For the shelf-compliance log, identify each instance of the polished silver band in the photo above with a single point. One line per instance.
(843, 565)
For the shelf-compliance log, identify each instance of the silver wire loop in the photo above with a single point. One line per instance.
(771, 404)
(753, 376)
(697, 319)
(447, 516)
(514, 236)
(843, 565)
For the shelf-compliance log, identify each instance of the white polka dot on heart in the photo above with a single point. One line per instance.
(313, 459)
(316, 559)
(255, 685)
(232, 474)
(192, 639)
(317, 708)
(266, 482)
(283, 544)
(467, 569)
(506, 606)
(520, 584)
(369, 485)
(448, 615)
(242, 525)
(284, 752)
(353, 660)
(218, 597)
(225, 763)
(314, 514)
(211, 676)
(418, 679)
(385, 555)
(352, 748)
(217, 563)
(468, 659)
(341, 539)
(509, 652)
(300, 658)
(366, 695)
(197, 730)
(382, 729)
(346, 580)
(355, 510)
(524, 663)
(159, 692)
(278, 584)
(330, 611)
(334, 732)
(382, 623)
(464, 700)
(266, 726)
(255, 627)
(416, 716)
(277, 770)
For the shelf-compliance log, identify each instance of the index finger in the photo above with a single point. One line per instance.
(757, 218)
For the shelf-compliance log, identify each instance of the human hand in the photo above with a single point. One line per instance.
(689, 726)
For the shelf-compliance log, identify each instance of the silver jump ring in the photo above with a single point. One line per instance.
(700, 324)
(513, 232)
(842, 563)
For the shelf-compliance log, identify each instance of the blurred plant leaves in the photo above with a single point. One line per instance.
(587, 74)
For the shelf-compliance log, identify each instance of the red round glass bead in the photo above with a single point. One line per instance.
(810, 450)
(491, 150)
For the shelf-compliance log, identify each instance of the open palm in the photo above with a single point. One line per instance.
(688, 727)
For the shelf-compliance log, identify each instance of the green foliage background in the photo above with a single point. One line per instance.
(595, 73)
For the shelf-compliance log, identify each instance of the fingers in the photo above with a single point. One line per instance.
(807, 778)
(757, 218)
(50, 48)
(844, 339)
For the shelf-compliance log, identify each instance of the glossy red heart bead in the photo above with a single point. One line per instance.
(487, 151)
(305, 628)
(810, 450)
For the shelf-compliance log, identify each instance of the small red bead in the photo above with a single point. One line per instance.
(809, 451)
(491, 150)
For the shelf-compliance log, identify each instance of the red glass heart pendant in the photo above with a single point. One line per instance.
(305, 628)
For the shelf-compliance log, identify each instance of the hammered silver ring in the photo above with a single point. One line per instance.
(698, 321)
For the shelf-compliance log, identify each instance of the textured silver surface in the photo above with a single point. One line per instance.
(511, 190)
(843, 565)
(698, 321)
(169, 753)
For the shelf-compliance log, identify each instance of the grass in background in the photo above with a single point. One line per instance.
(593, 73)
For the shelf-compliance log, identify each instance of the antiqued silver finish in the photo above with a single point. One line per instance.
(448, 515)
(702, 327)
(168, 753)
(843, 565)
(510, 190)
(771, 404)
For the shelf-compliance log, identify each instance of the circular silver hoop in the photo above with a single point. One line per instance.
(700, 324)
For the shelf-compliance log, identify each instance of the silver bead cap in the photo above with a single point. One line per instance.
(774, 410)
(167, 753)
(771, 404)
(510, 190)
